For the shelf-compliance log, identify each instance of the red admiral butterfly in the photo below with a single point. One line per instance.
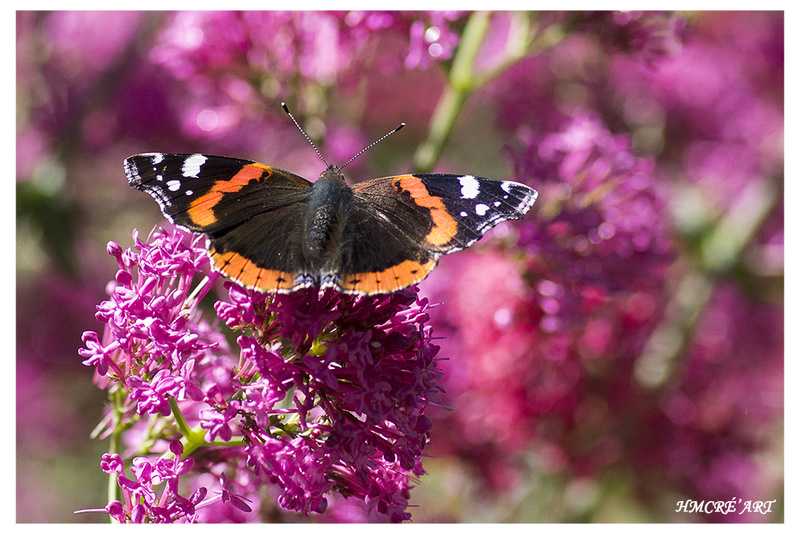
(272, 230)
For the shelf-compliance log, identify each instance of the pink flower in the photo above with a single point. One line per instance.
(329, 393)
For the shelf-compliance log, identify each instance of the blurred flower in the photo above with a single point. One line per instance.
(604, 227)
(650, 34)
(579, 307)
(431, 41)
(586, 297)
(61, 59)
(229, 61)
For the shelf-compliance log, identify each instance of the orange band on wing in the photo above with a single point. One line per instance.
(241, 178)
(249, 274)
(444, 226)
(201, 210)
(394, 278)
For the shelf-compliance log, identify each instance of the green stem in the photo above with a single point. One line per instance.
(725, 244)
(463, 80)
(455, 93)
(720, 250)
(193, 439)
(113, 442)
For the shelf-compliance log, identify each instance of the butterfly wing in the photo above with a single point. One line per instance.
(414, 219)
(248, 210)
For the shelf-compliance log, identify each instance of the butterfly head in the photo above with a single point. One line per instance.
(333, 173)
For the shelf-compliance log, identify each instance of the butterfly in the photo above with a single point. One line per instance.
(271, 230)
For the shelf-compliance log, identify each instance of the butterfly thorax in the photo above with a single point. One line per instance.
(329, 202)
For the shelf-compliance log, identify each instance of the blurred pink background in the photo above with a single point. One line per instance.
(615, 353)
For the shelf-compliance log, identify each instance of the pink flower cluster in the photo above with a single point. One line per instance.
(327, 395)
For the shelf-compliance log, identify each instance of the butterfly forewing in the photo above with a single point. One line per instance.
(445, 212)
(478, 204)
(209, 193)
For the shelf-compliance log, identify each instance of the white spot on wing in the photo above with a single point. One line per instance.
(481, 209)
(469, 186)
(191, 167)
(157, 158)
(173, 185)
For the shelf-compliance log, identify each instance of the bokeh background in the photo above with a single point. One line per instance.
(617, 352)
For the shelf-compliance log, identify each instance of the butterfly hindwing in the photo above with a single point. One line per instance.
(390, 259)
(265, 252)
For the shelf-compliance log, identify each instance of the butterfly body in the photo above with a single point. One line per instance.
(329, 202)
(272, 230)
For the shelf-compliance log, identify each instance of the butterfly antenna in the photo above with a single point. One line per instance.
(372, 145)
(286, 109)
